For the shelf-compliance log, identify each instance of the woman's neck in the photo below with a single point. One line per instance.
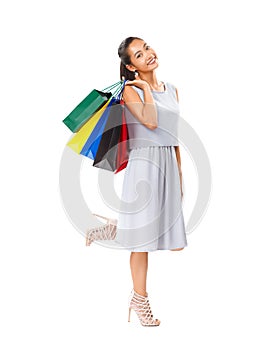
(151, 79)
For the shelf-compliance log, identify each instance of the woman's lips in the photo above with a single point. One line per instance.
(152, 61)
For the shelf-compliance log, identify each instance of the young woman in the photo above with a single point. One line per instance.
(151, 215)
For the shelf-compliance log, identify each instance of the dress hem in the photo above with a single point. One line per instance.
(153, 250)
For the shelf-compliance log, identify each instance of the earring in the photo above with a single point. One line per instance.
(136, 73)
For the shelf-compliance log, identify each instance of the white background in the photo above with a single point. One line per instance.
(58, 294)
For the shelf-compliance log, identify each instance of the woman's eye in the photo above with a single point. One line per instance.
(147, 47)
(139, 55)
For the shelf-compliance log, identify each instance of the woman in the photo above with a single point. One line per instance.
(151, 215)
(152, 112)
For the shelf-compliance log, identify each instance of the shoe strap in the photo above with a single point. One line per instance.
(142, 307)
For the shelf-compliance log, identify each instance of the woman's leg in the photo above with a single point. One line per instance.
(138, 266)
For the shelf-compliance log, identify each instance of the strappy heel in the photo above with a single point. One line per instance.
(104, 232)
(140, 304)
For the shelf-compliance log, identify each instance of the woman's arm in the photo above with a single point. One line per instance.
(178, 156)
(179, 166)
(145, 112)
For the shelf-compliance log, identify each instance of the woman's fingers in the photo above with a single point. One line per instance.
(138, 82)
(130, 82)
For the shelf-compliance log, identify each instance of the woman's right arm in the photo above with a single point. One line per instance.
(145, 112)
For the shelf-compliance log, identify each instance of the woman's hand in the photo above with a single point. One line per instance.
(142, 84)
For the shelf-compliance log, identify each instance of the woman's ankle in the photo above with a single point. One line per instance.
(141, 292)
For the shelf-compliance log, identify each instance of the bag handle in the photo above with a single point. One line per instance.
(118, 89)
(121, 90)
(111, 87)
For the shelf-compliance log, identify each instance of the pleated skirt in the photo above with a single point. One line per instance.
(150, 216)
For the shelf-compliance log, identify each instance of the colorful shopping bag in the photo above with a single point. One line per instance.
(104, 137)
(78, 141)
(91, 145)
(89, 105)
(123, 145)
(106, 156)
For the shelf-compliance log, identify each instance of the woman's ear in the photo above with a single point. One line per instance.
(130, 67)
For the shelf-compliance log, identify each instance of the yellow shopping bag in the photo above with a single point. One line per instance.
(79, 139)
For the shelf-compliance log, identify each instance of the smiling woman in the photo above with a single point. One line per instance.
(150, 219)
(150, 215)
(136, 53)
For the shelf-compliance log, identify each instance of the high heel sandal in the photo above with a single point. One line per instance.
(140, 304)
(104, 232)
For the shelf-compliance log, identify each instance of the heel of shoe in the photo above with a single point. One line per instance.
(101, 216)
(140, 304)
(108, 220)
(107, 231)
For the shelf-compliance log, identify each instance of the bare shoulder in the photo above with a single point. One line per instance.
(130, 95)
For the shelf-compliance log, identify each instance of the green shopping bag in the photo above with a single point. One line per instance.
(88, 106)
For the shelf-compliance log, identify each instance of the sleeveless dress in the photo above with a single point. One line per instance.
(150, 215)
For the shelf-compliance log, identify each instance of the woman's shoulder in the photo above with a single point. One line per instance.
(169, 87)
(134, 92)
(132, 87)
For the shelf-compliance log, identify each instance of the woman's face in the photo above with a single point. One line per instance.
(143, 58)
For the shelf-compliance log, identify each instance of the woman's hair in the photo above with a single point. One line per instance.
(125, 59)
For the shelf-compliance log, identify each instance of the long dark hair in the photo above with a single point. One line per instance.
(125, 59)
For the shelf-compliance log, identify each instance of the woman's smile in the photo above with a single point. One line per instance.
(152, 61)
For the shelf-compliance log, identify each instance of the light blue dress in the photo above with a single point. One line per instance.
(150, 216)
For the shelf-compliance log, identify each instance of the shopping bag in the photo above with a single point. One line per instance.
(104, 137)
(79, 139)
(123, 145)
(106, 156)
(91, 145)
(89, 105)
(95, 100)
